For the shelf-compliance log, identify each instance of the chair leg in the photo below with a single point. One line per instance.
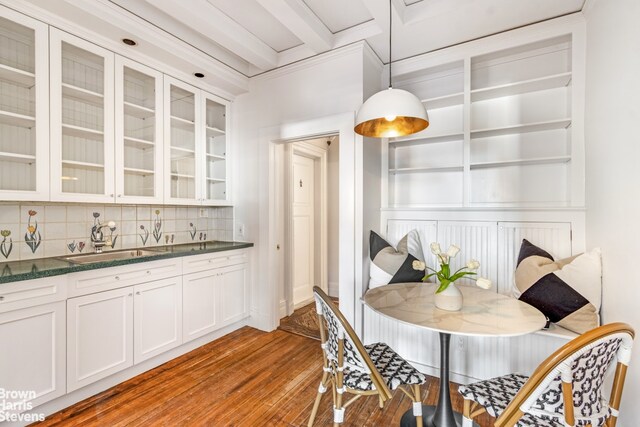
(322, 388)
(466, 414)
(338, 411)
(417, 405)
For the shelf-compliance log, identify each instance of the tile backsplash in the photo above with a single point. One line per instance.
(40, 230)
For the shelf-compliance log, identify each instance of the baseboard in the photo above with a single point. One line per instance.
(283, 308)
(333, 289)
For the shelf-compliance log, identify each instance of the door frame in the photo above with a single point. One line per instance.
(318, 155)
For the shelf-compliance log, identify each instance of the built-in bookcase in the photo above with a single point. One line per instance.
(82, 128)
(500, 131)
(24, 121)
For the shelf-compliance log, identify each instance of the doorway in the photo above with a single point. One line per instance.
(309, 224)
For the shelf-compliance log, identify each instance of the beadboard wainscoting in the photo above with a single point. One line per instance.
(43, 230)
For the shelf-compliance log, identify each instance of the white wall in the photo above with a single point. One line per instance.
(612, 172)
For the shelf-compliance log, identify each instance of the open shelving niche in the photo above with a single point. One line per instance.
(518, 140)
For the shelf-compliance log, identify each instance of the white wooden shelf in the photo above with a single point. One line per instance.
(216, 157)
(17, 76)
(521, 162)
(419, 140)
(135, 171)
(521, 128)
(182, 123)
(138, 111)
(138, 143)
(82, 165)
(187, 152)
(216, 180)
(444, 101)
(427, 169)
(213, 132)
(15, 119)
(532, 85)
(85, 95)
(17, 158)
(180, 175)
(82, 132)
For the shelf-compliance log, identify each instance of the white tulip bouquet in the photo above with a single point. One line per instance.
(444, 275)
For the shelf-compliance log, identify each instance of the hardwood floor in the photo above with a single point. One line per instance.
(246, 378)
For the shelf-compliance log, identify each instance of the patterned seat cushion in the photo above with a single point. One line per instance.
(496, 393)
(394, 369)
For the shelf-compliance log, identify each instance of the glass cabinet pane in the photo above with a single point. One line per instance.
(183, 143)
(216, 151)
(83, 145)
(17, 107)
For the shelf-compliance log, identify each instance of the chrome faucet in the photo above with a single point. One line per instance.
(97, 236)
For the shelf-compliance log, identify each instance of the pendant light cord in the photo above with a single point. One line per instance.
(390, 28)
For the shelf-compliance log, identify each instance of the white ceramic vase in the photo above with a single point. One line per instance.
(450, 299)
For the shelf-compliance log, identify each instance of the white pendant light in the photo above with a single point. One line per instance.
(391, 112)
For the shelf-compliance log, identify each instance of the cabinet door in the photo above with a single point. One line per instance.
(82, 111)
(157, 317)
(215, 152)
(138, 133)
(24, 108)
(33, 354)
(182, 133)
(99, 336)
(200, 303)
(232, 285)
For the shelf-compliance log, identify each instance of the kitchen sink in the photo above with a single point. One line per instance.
(111, 256)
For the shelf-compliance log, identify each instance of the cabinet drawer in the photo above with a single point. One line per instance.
(30, 293)
(88, 282)
(196, 263)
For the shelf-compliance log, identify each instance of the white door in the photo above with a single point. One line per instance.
(232, 285)
(157, 317)
(200, 301)
(99, 336)
(33, 354)
(302, 254)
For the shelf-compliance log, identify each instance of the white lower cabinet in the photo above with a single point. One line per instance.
(99, 336)
(32, 358)
(157, 318)
(232, 284)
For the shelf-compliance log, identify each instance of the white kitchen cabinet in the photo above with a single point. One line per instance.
(33, 351)
(232, 284)
(99, 336)
(82, 120)
(216, 175)
(24, 108)
(138, 133)
(157, 317)
(200, 301)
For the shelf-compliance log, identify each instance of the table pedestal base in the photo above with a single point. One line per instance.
(409, 420)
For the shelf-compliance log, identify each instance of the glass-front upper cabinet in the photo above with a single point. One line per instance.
(216, 186)
(182, 130)
(82, 114)
(24, 108)
(139, 136)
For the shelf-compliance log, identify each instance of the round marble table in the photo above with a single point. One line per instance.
(483, 313)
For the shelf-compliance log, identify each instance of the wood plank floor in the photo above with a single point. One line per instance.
(246, 378)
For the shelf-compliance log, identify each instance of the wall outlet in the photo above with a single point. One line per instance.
(203, 213)
(461, 344)
(240, 229)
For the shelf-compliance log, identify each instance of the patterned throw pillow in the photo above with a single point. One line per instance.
(394, 265)
(567, 291)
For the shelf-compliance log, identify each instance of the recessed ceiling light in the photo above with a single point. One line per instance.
(198, 75)
(129, 42)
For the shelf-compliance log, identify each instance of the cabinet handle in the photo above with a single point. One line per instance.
(117, 277)
(138, 293)
(130, 295)
(111, 195)
(148, 272)
(119, 195)
(1, 298)
(210, 261)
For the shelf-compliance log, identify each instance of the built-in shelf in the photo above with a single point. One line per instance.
(181, 175)
(431, 139)
(138, 143)
(521, 162)
(135, 171)
(521, 128)
(532, 85)
(138, 111)
(15, 119)
(182, 123)
(444, 101)
(17, 158)
(82, 132)
(427, 169)
(183, 150)
(213, 132)
(82, 94)
(215, 157)
(82, 165)
(17, 76)
(216, 180)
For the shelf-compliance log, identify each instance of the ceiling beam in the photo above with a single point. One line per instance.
(431, 9)
(209, 21)
(301, 21)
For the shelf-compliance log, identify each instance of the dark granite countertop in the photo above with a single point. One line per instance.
(46, 267)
